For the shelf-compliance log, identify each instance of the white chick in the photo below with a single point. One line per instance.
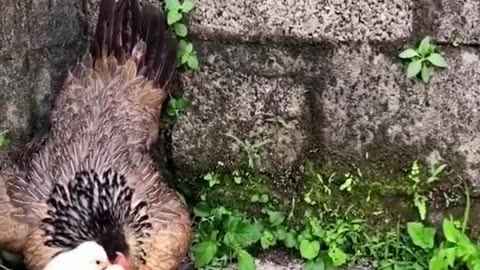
(86, 256)
(115, 267)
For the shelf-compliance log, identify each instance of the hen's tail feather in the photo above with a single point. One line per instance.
(161, 49)
(127, 33)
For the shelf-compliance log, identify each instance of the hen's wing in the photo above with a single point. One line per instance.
(13, 231)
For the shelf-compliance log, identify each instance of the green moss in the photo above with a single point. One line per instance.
(381, 198)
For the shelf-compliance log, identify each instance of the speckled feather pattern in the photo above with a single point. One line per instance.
(105, 118)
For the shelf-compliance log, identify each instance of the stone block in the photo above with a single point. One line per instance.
(370, 111)
(458, 19)
(39, 24)
(313, 20)
(244, 91)
(39, 41)
(28, 82)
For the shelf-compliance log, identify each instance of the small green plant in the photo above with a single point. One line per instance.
(177, 106)
(423, 60)
(350, 181)
(187, 55)
(326, 239)
(419, 183)
(259, 198)
(457, 251)
(176, 12)
(251, 150)
(224, 235)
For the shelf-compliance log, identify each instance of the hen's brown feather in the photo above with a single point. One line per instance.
(13, 233)
(106, 117)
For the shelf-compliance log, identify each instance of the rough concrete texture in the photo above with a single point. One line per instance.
(31, 25)
(237, 93)
(371, 108)
(39, 40)
(458, 20)
(342, 103)
(339, 20)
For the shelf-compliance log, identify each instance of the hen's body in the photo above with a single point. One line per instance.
(94, 179)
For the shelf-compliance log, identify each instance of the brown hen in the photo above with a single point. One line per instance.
(93, 179)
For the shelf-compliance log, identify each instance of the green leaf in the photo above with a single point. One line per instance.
(202, 210)
(425, 47)
(437, 60)
(267, 240)
(475, 264)
(347, 184)
(237, 180)
(449, 254)
(443, 259)
(420, 202)
(192, 62)
(172, 107)
(337, 255)
(408, 53)
(264, 198)
(187, 6)
(314, 265)
(280, 233)
(465, 247)
(275, 217)
(245, 261)
(189, 48)
(451, 233)
(421, 236)
(254, 198)
(182, 45)
(304, 235)
(212, 178)
(230, 225)
(317, 230)
(172, 5)
(290, 240)
(184, 58)
(219, 212)
(435, 172)
(309, 250)
(426, 74)
(180, 29)
(204, 253)
(182, 104)
(240, 233)
(414, 68)
(173, 16)
(415, 172)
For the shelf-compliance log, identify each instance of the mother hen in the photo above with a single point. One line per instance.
(93, 178)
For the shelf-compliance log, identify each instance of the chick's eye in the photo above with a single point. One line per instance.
(97, 262)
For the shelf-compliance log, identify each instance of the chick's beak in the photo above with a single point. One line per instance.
(122, 261)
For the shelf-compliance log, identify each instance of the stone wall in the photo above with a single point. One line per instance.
(330, 70)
